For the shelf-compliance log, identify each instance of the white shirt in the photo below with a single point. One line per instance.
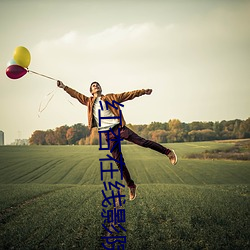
(105, 123)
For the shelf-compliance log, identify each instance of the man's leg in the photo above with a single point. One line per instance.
(131, 136)
(117, 155)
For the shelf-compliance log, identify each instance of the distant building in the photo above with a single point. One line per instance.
(1, 138)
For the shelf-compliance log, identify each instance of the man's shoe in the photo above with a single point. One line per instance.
(172, 157)
(132, 193)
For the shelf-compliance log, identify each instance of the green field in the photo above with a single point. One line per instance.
(50, 198)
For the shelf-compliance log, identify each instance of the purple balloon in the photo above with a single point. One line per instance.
(15, 71)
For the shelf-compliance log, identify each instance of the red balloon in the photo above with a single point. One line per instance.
(15, 71)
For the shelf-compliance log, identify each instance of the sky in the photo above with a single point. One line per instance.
(195, 55)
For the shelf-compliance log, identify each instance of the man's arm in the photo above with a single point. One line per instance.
(60, 84)
(80, 97)
(148, 91)
(132, 94)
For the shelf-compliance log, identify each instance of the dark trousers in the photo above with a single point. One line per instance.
(129, 135)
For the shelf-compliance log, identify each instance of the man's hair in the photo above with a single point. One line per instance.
(90, 88)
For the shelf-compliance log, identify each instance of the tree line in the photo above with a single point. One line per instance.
(172, 131)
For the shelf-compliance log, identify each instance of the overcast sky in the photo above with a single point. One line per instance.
(195, 55)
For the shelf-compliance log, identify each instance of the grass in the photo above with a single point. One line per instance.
(240, 150)
(189, 217)
(50, 198)
(61, 218)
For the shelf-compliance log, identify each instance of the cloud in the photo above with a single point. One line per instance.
(119, 35)
(116, 40)
(107, 38)
(114, 47)
(201, 41)
(68, 38)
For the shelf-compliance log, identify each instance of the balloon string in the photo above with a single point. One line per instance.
(50, 96)
(71, 103)
(31, 71)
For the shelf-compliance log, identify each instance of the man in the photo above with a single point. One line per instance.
(95, 104)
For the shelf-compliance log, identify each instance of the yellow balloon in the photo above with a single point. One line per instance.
(22, 56)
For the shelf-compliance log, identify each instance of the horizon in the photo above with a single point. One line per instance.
(147, 124)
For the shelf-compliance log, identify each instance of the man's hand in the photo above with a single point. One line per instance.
(60, 84)
(148, 91)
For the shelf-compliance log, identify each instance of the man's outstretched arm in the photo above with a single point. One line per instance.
(132, 94)
(80, 97)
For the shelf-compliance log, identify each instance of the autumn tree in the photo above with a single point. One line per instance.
(157, 126)
(60, 134)
(77, 133)
(70, 136)
(175, 133)
(50, 137)
(38, 138)
(244, 129)
(202, 135)
(159, 135)
(172, 131)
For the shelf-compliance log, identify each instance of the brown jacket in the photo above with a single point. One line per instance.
(89, 102)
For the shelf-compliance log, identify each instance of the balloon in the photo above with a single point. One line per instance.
(22, 56)
(15, 71)
(11, 62)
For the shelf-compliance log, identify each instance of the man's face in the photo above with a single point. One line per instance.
(95, 87)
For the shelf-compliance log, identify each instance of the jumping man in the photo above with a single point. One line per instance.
(93, 104)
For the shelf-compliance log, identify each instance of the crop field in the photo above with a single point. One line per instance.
(51, 198)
